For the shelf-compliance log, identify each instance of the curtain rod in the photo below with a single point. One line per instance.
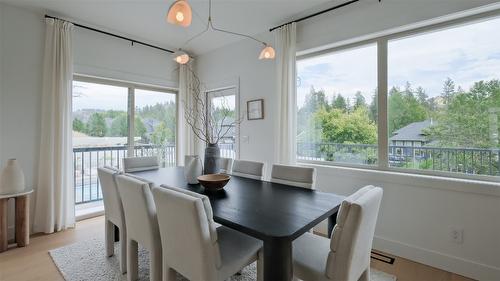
(113, 35)
(318, 13)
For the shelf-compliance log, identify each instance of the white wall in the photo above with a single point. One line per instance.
(418, 212)
(21, 53)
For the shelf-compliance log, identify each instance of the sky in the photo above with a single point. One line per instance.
(466, 54)
(106, 97)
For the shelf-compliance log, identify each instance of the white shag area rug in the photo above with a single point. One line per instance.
(87, 260)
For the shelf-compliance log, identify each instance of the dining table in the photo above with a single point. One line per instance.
(275, 213)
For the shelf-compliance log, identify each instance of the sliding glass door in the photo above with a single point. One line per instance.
(103, 131)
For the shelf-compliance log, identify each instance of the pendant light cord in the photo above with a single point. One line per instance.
(210, 25)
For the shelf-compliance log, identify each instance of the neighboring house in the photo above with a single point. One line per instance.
(404, 140)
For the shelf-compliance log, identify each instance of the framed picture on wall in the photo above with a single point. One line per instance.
(255, 109)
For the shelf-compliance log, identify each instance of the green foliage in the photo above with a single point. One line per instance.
(78, 125)
(465, 120)
(404, 109)
(96, 126)
(119, 126)
(360, 100)
(340, 102)
(162, 135)
(340, 127)
(140, 128)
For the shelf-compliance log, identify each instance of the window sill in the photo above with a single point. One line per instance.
(482, 187)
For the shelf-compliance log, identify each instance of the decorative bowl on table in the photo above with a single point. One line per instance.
(214, 182)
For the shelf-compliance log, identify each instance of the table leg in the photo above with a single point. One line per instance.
(332, 221)
(3, 224)
(278, 260)
(22, 220)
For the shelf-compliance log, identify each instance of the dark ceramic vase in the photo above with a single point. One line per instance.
(211, 163)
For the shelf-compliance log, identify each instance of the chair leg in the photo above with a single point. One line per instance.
(366, 275)
(260, 266)
(168, 273)
(123, 250)
(155, 264)
(109, 238)
(132, 262)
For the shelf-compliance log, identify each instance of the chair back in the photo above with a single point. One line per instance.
(137, 164)
(139, 209)
(188, 233)
(352, 236)
(293, 175)
(113, 207)
(225, 165)
(248, 169)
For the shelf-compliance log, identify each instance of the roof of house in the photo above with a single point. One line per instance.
(412, 132)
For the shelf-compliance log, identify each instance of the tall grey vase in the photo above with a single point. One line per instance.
(211, 163)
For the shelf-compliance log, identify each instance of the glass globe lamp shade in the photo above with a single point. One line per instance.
(180, 13)
(267, 53)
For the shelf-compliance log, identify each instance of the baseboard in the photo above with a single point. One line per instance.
(442, 261)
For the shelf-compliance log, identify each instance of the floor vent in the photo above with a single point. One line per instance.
(382, 257)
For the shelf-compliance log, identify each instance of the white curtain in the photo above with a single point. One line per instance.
(54, 205)
(186, 140)
(285, 143)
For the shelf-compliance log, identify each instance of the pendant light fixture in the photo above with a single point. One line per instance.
(180, 13)
(181, 57)
(267, 52)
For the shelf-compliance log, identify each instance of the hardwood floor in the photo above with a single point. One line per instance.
(34, 263)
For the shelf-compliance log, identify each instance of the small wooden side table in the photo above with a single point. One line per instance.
(22, 212)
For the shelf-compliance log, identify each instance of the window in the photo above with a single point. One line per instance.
(101, 133)
(337, 107)
(222, 105)
(155, 125)
(445, 96)
(97, 138)
(443, 101)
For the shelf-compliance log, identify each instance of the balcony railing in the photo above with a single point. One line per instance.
(474, 161)
(86, 160)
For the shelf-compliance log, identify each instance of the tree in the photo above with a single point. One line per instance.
(139, 127)
(162, 135)
(373, 109)
(448, 90)
(306, 126)
(466, 120)
(341, 127)
(403, 110)
(96, 125)
(119, 126)
(340, 103)
(78, 125)
(360, 100)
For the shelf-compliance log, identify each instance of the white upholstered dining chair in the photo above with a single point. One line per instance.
(137, 164)
(113, 214)
(193, 246)
(293, 175)
(248, 169)
(346, 255)
(225, 165)
(142, 225)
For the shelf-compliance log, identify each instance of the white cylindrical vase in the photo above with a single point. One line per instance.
(12, 178)
(192, 168)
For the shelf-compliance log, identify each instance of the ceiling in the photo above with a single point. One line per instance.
(145, 19)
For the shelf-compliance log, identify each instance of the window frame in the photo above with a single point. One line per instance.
(131, 86)
(381, 43)
(234, 86)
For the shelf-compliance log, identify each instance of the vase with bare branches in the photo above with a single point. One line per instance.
(209, 123)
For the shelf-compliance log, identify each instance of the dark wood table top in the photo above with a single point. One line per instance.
(261, 209)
